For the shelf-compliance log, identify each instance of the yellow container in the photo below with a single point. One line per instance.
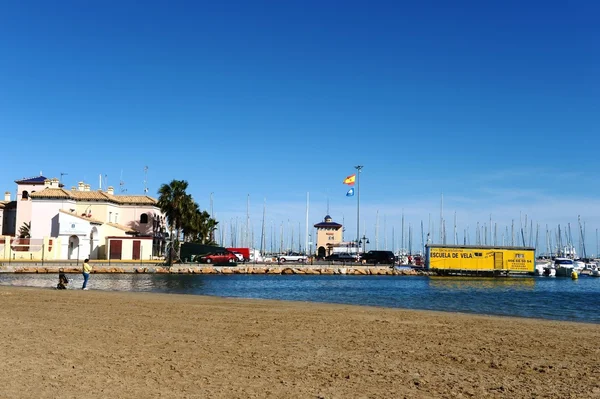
(480, 258)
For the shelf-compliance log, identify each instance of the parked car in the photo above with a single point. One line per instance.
(375, 257)
(341, 257)
(219, 257)
(292, 257)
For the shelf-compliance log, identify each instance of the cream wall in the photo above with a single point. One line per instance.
(24, 205)
(328, 236)
(127, 247)
(131, 215)
(44, 216)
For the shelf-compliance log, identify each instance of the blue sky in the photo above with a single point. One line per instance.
(494, 104)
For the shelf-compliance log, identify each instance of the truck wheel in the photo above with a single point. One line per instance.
(282, 260)
(208, 260)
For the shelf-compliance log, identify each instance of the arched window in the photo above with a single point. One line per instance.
(143, 218)
(25, 195)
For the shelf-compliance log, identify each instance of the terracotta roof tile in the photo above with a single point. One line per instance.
(91, 220)
(121, 227)
(94, 196)
(51, 193)
(135, 199)
(88, 195)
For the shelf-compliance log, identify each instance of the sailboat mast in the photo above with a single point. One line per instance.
(377, 230)
(262, 233)
(306, 232)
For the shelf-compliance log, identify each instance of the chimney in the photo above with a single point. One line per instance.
(47, 183)
(80, 186)
(86, 187)
(55, 183)
(7, 196)
(110, 190)
(73, 188)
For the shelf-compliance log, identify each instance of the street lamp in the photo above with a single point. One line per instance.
(364, 241)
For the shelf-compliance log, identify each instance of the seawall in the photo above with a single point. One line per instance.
(204, 269)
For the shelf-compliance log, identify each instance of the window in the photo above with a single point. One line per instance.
(25, 195)
(143, 218)
(109, 217)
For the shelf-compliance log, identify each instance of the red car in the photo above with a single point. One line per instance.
(221, 257)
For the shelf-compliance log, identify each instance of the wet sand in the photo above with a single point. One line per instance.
(94, 344)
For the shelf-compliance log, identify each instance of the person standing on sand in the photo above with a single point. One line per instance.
(87, 269)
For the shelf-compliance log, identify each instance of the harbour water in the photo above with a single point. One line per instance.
(541, 297)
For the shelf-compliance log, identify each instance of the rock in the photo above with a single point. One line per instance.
(299, 271)
(226, 270)
(274, 270)
(287, 270)
(208, 270)
(161, 270)
(327, 271)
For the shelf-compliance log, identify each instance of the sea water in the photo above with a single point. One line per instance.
(539, 297)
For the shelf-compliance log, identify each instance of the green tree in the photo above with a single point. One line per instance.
(199, 226)
(174, 202)
(184, 217)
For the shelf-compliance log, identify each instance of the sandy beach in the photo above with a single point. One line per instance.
(94, 344)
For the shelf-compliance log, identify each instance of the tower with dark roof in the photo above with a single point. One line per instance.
(329, 233)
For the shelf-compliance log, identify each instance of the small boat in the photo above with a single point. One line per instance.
(578, 265)
(595, 273)
(549, 271)
(540, 267)
(564, 267)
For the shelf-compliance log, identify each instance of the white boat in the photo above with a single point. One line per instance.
(540, 267)
(564, 267)
(549, 271)
(578, 265)
(595, 273)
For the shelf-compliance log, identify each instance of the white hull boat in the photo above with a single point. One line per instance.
(564, 267)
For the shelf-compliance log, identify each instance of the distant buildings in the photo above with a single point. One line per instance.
(47, 221)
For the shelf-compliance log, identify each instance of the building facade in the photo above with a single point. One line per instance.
(83, 223)
(329, 235)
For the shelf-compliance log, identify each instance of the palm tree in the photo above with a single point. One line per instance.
(199, 226)
(25, 230)
(174, 202)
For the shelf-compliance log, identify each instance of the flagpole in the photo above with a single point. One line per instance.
(358, 168)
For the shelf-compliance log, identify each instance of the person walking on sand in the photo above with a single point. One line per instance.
(87, 269)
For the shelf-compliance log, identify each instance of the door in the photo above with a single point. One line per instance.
(498, 260)
(116, 247)
(136, 250)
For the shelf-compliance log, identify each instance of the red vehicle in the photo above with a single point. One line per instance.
(221, 257)
(244, 253)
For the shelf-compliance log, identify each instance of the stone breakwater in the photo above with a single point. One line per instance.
(182, 269)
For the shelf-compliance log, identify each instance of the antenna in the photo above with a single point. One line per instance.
(122, 183)
(61, 176)
(145, 179)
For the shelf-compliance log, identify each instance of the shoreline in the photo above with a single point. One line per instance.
(135, 344)
(274, 269)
